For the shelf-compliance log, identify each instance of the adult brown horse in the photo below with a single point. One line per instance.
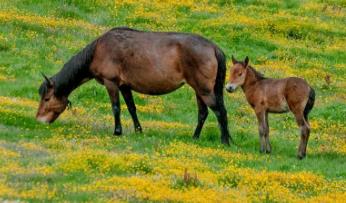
(267, 95)
(152, 63)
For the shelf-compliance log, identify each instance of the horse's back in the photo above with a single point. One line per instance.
(155, 62)
(122, 34)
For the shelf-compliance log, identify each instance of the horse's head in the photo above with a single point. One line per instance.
(51, 106)
(238, 74)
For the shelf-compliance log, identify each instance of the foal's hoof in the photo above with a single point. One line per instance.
(117, 132)
(265, 151)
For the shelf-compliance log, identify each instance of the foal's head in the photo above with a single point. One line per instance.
(51, 105)
(238, 74)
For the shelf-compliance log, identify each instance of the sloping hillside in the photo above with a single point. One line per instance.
(78, 159)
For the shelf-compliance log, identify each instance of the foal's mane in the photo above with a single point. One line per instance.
(72, 73)
(258, 74)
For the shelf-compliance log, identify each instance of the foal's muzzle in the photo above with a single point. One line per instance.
(230, 87)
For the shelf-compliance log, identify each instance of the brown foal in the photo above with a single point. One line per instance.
(266, 95)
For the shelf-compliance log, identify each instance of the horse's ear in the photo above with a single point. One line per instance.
(246, 61)
(234, 61)
(49, 81)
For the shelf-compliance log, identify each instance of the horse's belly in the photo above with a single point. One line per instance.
(155, 86)
(158, 90)
(154, 74)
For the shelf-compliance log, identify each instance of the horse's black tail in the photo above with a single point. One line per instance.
(220, 76)
(218, 91)
(309, 104)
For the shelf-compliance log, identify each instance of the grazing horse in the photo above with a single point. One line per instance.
(266, 95)
(152, 63)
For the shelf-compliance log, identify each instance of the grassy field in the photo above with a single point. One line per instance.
(78, 159)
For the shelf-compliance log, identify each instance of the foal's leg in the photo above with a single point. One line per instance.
(304, 134)
(202, 116)
(262, 129)
(268, 146)
(113, 93)
(127, 94)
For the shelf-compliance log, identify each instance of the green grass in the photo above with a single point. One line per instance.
(281, 38)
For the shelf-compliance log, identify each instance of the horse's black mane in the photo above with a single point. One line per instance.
(73, 72)
(124, 28)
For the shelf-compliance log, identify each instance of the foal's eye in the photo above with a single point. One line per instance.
(46, 99)
(239, 74)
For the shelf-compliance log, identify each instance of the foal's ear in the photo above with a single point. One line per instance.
(234, 61)
(246, 61)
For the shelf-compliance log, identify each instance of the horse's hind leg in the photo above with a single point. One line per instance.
(127, 94)
(304, 134)
(202, 116)
(217, 105)
(268, 145)
(113, 93)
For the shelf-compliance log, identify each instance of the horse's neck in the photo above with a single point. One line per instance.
(250, 80)
(66, 83)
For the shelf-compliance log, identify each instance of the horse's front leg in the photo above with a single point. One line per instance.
(127, 94)
(113, 92)
(261, 117)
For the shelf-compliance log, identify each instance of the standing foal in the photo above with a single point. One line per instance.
(266, 95)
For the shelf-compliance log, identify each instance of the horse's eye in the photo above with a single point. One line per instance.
(239, 74)
(46, 99)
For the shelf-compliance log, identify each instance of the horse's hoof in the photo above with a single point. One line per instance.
(117, 132)
(138, 129)
(195, 137)
(225, 142)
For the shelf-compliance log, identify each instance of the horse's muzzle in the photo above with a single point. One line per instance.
(42, 120)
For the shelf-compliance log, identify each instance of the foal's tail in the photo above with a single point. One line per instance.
(309, 104)
(220, 76)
